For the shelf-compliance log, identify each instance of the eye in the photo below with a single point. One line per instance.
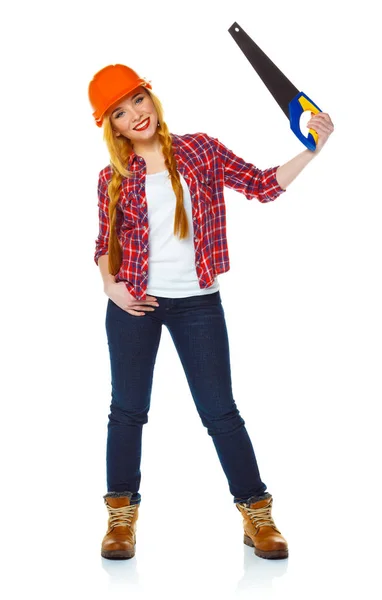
(122, 111)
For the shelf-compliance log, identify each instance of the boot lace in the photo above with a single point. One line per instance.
(121, 515)
(261, 516)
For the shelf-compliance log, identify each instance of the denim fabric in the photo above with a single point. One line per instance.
(198, 329)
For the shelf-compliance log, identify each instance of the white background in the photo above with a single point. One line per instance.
(302, 303)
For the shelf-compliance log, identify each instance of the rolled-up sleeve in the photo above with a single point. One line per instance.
(246, 177)
(102, 241)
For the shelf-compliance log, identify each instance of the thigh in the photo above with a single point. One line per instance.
(133, 345)
(200, 335)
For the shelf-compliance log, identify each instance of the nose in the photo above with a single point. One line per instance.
(136, 115)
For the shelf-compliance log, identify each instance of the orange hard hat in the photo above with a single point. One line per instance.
(109, 85)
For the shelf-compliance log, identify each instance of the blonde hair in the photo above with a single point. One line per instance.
(120, 149)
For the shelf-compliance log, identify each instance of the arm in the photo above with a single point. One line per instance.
(101, 256)
(323, 125)
(104, 269)
(102, 241)
(286, 173)
(246, 177)
(269, 184)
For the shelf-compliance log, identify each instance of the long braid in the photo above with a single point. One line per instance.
(120, 149)
(180, 221)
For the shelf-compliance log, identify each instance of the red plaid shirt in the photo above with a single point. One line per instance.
(207, 166)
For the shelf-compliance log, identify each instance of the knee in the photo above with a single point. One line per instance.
(224, 424)
(127, 416)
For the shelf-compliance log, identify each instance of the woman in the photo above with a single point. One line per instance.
(156, 266)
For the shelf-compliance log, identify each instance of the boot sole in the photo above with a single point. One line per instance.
(262, 553)
(118, 554)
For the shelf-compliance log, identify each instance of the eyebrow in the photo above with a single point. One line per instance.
(119, 107)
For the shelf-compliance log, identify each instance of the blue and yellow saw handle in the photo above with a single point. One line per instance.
(297, 106)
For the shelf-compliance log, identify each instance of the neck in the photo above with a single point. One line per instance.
(152, 146)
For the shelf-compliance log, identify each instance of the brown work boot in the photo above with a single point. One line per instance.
(119, 541)
(260, 531)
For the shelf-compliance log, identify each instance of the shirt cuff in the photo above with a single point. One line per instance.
(274, 189)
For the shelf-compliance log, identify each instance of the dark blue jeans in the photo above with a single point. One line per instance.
(198, 328)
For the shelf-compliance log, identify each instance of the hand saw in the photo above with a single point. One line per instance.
(292, 102)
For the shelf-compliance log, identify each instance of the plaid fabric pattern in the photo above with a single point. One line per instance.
(207, 166)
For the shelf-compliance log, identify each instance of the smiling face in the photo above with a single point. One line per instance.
(132, 110)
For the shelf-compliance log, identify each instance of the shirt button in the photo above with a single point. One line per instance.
(145, 250)
(144, 272)
(197, 262)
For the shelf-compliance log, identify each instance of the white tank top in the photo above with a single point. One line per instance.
(172, 271)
